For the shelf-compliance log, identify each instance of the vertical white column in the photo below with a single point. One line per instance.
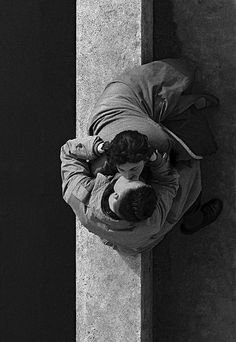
(109, 297)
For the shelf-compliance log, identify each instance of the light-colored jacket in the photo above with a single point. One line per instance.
(176, 190)
(152, 99)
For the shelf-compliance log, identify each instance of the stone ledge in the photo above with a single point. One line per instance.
(114, 292)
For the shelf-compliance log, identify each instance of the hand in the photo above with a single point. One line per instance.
(153, 157)
(165, 156)
(156, 154)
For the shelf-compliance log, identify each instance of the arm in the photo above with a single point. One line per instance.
(160, 171)
(75, 171)
(165, 181)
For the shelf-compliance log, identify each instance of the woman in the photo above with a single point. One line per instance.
(155, 100)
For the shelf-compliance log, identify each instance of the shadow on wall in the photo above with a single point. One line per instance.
(195, 275)
(206, 31)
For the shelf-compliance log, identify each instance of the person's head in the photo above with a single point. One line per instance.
(128, 152)
(133, 201)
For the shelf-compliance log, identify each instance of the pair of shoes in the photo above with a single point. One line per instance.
(211, 210)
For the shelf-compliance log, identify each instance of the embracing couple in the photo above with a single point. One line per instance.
(137, 173)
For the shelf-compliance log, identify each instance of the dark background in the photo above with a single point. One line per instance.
(37, 106)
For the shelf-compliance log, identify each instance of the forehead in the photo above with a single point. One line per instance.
(128, 166)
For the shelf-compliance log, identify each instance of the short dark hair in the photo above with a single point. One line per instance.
(138, 204)
(128, 146)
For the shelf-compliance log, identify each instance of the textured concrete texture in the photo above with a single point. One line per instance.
(111, 304)
(195, 276)
(108, 40)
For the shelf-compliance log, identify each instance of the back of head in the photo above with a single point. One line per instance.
(138, 204)
(128, 146)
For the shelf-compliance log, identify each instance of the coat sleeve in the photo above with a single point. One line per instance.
(165, 181)
(75, 171)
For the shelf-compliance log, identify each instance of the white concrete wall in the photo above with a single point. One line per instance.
(109, 300)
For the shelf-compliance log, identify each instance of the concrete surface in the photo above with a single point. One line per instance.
(109, 297)
(195, 276)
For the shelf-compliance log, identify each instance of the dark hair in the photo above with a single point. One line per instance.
(128, 146)
(138, 204)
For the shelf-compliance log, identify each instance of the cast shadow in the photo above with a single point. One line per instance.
(194, 276)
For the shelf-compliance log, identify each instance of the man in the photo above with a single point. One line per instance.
(97, 200)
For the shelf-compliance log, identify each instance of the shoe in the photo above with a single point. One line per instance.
(207, 101)
(211, 210)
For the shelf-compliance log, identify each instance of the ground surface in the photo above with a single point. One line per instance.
(195, 276)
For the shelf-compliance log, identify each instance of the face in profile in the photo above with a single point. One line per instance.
(128, 153)
(131, 171)
(121, 186)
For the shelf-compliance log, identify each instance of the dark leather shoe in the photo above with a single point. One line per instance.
(206, 101)
(211, 210)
